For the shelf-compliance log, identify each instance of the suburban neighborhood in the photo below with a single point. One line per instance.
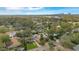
(39, 33)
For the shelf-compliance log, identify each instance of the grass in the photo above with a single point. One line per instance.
(31, 46)
(1, 43)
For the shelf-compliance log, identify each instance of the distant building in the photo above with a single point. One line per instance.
(56, 18)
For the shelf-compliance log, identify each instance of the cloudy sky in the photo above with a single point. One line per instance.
(37, 10)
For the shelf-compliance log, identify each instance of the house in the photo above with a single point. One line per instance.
(36, 37)
(11, 34)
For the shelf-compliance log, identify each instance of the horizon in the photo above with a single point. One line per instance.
(38, 10)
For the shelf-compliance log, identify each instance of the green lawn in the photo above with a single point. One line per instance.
(31, 46)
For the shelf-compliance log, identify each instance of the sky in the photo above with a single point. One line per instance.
(38, 10)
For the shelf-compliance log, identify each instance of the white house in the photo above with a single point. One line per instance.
(11, 34)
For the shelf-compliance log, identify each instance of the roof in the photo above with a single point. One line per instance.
(36, 37)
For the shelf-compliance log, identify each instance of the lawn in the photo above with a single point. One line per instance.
(31, 46)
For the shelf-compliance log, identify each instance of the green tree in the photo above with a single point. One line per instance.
(5, 38)
(70, 40)
(25, 38)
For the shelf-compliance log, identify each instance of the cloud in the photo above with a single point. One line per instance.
(38, 3)
(35, 8)
(13, 8)
(24, 8)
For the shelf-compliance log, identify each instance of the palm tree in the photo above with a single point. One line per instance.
(5, 39)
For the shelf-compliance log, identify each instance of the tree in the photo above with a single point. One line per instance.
(70, 40)
(5, 39)
(51, 45)
(25, 38)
